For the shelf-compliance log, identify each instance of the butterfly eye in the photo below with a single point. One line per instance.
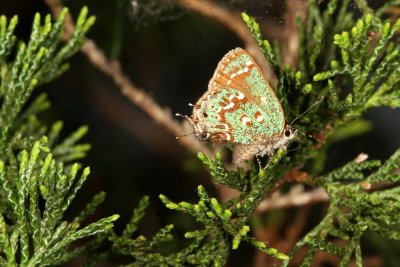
(287, 133)
(205, 115)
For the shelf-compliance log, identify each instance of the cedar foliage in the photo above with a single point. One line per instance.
(39, 181)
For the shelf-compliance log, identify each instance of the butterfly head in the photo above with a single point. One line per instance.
(200, 130)
(289, 133)
(199, 127)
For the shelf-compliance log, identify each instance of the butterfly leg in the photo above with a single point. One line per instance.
(258, 161)
(270, 156)
(271, 153)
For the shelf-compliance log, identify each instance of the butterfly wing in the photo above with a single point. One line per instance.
(240, 106)
(208, 115)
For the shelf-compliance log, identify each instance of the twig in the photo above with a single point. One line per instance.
(137, 96)
(281, 236)
(293, 175)
(290, 48)
(163, 115)
(296, 197)
(233, 21)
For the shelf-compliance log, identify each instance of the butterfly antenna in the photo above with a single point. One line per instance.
(183, 116)
(301, 132)
(187, 118)
(293, 149)
(304, 112)
(179, 136)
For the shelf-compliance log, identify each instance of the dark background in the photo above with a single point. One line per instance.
(171, 57)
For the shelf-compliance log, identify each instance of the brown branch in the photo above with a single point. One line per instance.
(163, 116)
(232, 19)
(137, 96)
(280, 236)
(293, 175)
(296, 197)
(290, 48)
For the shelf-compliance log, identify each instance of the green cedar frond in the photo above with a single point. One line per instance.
(336, 52)
(367, 70)
(86, 248)
(350, 188)
(137, 215)
(143, 251)
(39, 61)
(44, 228)
(36, 188)
(234, 179)
(325, 58)
(7, 39)
(68, 150)
(219, 224)
(90, 207)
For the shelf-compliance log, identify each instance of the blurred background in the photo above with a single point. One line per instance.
(171, 53)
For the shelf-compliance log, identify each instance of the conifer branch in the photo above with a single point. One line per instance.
(362, 194)
(347, 186)
(48, 234)
(229, 18)
(136, 95)
(367, 210)
(36, 188)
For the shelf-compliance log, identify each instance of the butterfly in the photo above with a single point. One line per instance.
(241, 108)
